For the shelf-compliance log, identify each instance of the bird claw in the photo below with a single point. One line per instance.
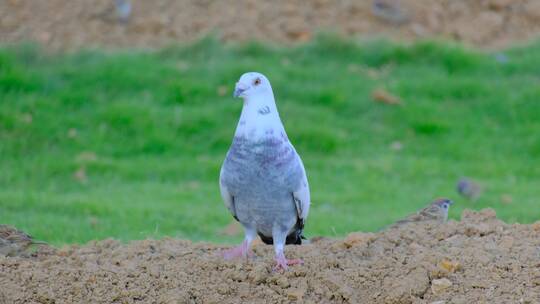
(282, 264)
(241, 251)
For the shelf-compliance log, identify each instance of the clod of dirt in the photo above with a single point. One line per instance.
(358, 238)
(80, 23)
(440, 285)
(479, 259)
(450, 266)
(383, 96)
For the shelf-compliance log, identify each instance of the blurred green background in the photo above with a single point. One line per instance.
(128, 144)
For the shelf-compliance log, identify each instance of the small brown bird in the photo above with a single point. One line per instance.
(436, 211)
(14, 242)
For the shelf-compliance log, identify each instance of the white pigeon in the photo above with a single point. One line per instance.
(263, 182)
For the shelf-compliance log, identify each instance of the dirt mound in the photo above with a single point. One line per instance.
(477, 260)
(71, 24)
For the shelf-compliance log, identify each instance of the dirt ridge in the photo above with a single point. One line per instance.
(78, 23)
(478, 259)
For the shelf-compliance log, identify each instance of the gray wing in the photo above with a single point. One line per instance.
(227, 197)
(301, 195)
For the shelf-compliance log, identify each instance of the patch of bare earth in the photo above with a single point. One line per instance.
(479, 259)
(61, 24)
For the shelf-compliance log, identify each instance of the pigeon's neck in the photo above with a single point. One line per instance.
(259, 118)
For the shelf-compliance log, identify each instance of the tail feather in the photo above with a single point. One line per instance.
(294, 238)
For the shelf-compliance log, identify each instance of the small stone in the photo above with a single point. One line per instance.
(193, 185)
(295, 294)
(450, 266)
(26, 118)
(222, 90)
(502, 58)
(499, 4)
(506, 199)
(44, 37)
(383, 96)
(396, 146)
(283, 282)
(182, 65)
(72, 133)
(93, 221)
(285, 62)
(419, 30)
(373, 73)
(536, 226)
(86, 156)
(80, 175)
(223, 289)
(358, 238)
(438, 286)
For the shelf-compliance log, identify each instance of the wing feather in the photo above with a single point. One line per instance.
(301, 195)
(227, 197)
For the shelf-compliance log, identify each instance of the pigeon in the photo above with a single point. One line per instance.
(13, 242)
(123, 10)
(469, 189)
(389, 11)
(263, 182)
(118, 11)
(436, 211)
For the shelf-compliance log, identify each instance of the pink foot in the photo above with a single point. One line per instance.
(283, 264)
(241, 251)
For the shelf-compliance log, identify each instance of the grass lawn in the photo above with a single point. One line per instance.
(128, 144)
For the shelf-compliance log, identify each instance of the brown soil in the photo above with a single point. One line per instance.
(64, 24)
(477, 260)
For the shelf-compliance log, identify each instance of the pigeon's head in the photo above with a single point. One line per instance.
(252, 83)
(442, 203)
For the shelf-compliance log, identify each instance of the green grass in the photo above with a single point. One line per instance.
(159, 131)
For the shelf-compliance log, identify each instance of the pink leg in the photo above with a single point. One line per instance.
(242, 251)
(283, 264)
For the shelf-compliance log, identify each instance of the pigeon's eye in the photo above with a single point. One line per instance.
(257, 81)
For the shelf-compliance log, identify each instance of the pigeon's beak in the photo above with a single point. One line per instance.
(239, 90)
